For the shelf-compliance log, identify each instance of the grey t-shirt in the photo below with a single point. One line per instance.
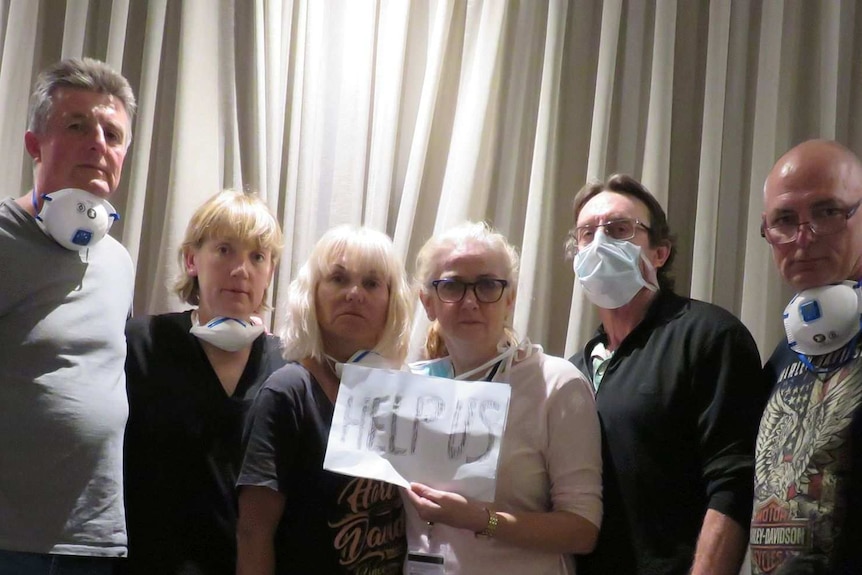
(63, 406)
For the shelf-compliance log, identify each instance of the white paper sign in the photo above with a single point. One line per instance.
(401, 427)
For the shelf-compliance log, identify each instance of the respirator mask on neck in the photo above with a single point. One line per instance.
(822, 320)
(365, 358)
(226, 333)
(75, 219)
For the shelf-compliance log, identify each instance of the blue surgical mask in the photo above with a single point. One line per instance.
(495, 369)
(609, 271)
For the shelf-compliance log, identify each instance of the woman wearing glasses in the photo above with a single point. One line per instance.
(547, 503)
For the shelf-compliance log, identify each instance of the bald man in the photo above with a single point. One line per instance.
(807, 515)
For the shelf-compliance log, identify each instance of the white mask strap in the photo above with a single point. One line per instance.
(492, 365)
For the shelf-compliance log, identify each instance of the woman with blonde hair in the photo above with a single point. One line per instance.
(191, 378)
(547, 503)
(351, 302)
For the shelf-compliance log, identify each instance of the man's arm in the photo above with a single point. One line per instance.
(730, 406)
(720, 546)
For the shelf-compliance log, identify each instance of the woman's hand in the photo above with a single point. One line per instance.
(452, 509)
(551, 531)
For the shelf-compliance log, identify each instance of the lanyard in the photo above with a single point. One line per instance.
(491, 366)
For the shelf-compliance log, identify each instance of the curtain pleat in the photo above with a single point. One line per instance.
(767, 145)
(16, 71)
(197, 130)
(657, 142)
(709, 180)
(540, 247)
(75, 28)
(138, 161)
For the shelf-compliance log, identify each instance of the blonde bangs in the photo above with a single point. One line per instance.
(247, 222)
(365, 252)
(233, 216)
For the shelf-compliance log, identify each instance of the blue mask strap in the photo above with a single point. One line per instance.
(36, 204)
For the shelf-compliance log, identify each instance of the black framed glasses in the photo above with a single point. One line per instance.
(783, 227)
(621, 229)
(486, 290)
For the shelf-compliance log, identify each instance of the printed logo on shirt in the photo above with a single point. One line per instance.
(801, 456)
(370, 535)
(775, 536)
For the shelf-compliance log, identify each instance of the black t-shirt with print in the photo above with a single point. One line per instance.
(807, 503)
(332, 524)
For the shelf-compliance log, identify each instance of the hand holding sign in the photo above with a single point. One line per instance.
(453, 509)
(401, 427)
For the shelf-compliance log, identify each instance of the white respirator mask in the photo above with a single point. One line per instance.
(365, 358)
(74, 218)
(226, 333)
(823, 319)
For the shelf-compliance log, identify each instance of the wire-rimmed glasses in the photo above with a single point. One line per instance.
(619, 229)
(783, 227)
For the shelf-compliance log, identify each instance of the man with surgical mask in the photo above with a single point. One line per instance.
(65, 293)
(679, 392)
(807, 515)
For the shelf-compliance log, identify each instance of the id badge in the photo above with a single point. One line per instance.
(424, 564)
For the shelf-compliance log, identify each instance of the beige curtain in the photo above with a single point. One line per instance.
(412, 115)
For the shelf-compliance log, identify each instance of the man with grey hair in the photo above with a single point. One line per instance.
(65, 293)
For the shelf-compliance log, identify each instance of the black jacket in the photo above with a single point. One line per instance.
(679, 405)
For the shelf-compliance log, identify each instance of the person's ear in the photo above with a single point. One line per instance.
(661, 254)
(189, 257)
(428, 303)
(510, 295)
(509, 299)
(33, 145)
